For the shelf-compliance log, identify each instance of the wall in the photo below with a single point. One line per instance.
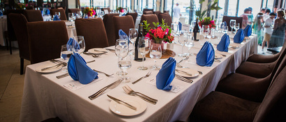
(72, 3)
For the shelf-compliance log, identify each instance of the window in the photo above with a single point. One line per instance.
(98, 3)
(255, 4)
(85, 3)
(221, 4)
(270, 4)
(232, 7)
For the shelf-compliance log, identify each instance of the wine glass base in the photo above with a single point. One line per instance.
(126, 79)
(143, 68)
(181, 55)
(121, 73)
(155, 67)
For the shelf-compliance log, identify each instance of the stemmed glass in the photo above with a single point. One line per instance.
(190, 43)
(124, 64)
(232, 24)
(175, 29)
(79, 14)
(237, 27)
(81, 42)
(66, 51)
(133, 33)
(143, 49)
(71, 17)
(182, 42)
(155, 53)
(225, 29)
(121, 51)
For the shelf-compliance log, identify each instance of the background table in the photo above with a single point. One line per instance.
(45, 97)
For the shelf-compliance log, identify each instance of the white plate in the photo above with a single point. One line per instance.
(97, 50)
(51, 70)
(234, 45)
(122, 110)
(218, 56)
(194, 73)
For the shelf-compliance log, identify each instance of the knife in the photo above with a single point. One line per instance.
(101, 91)
(124, 103)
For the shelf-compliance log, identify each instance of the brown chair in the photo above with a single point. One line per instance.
(221, 107)
(124, 23)
(46, 39)
(93, 32)
(10, 30)
(134, 16)
(33, 15)
(166, 12)
(157, 12)
(108, 9)
(29, 8)
(73, 10)
(166, 17)
(228, 18)
(148, 12)
(109, 27)
(146, 9)
(150, 19)
(19, 23)
(62, 13)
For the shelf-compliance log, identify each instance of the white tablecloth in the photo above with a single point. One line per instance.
(3, 27)
(45, 97)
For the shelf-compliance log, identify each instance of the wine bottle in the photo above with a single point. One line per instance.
(138, 56)
(196, 31)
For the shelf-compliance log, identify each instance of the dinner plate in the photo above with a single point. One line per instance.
(233, 45)
(97, 50)
(218, 56)
(51, 70)
(122, 110)
(194, 73)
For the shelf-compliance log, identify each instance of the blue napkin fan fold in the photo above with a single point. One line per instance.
(72, 42)
(239, 36)
(247, 31)
(224, 43)
(79, 71)
(206, 55)
(48, 12)
(166, 75)
(1, 13)
(56, 18)
(123, 35)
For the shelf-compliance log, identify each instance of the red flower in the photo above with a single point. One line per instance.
(159, 33)
(171, 38)
(148, 36)
(166, 31)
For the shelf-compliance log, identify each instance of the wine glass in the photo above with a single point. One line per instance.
(124, 64)
(232, 24)
(71, 17)
(237, 27)
(189, 43)
(121, 51)
(182, 42)
(225, 29)
(143, 49)
(79, 14)
(66, 51)
(81, 42)
(133, 33)
(155, 53)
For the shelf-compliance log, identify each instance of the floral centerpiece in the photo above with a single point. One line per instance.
(89, 11)
(207, 21)
(120, 9)
(160, 34)
(21, 5)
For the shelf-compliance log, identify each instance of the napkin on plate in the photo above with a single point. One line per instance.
(166, 75)
(206, 55)
(180, 26)
(56, 18)
(72, 42)
(79, 71)
(239, 36)
(247, 31)
(224, 43)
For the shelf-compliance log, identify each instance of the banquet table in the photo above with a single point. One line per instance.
(45, 96)
(3, 27)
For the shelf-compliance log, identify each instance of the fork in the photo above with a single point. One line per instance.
(129, 91)
(107, 75)
(54, 66)
(147, 75)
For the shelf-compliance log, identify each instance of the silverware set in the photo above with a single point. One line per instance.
(101, 91)
(122, 102)
(147, 75)
(95, 55)
(129, 91)
(107, 75)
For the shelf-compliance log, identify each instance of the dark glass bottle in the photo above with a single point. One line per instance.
(196, 31)
(138, 56)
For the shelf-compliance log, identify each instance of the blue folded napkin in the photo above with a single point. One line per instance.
(123, 35)
(1, 13)
(79, 71)
(72, 42)
(247, 31)
(48, 12)
(56, 18)
(180, 26)
(166, 75)
(123, 14)
(206, 55)
(239, 36)
(224, 43)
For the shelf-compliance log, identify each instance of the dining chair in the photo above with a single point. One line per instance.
(109, 27)
(166, 17)
(73, 10)
(10, 30)
(62, 13)
(248, 87)
(29, 8)
(134, 16)
(93, 32)
(33, 15)
(166, 11)
(150, 19)
(148, 12)
(222, 107)
(46, 39)
(228, 18)
(124, 23)
(146, 9)
(19, 23)
(157, 12)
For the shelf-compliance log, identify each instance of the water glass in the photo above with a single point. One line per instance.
(225, 29)
(71, 17)
(232, 24)
(124, 64)
(81, 42)
(237, 27)
(133, 33)
(143, 49)
(66, 52)
(121, 48)
(189, 43)
(182, 42)
(155, 53)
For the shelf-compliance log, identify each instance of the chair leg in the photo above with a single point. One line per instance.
(10, 45)
(21, 66)
(7, 45)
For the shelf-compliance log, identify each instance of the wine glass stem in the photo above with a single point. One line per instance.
(143, 61)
